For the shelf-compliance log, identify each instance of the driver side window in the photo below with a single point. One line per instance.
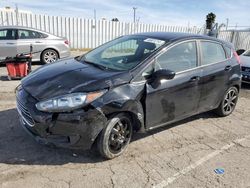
(178, 58)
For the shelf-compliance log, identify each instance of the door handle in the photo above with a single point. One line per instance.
(38, 42)
(228, 68)
(10, 43)
(195, 78)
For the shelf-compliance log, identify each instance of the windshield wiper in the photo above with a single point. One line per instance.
(96, 65)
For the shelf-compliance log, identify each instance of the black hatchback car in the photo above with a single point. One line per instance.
(133, 83)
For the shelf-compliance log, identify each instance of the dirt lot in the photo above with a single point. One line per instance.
(183, 155)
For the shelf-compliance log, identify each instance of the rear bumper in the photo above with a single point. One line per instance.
(64, 53)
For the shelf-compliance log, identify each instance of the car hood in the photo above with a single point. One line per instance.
(69, 76)
(245, 61)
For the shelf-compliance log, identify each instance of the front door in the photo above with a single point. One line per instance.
(8, 43)
(177, 98)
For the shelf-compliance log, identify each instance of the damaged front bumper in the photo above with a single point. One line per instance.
(76, 130)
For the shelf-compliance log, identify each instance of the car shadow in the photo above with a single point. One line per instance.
(4, 78)
(206, 115)
(245, 86)
(16, 147)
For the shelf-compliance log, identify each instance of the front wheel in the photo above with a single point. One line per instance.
(115, 137)
(228, 102)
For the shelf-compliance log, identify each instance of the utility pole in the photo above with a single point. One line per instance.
(94, 14)
(134, 8)
(227, 23)
(17, 15)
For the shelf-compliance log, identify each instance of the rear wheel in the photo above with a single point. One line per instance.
(228, 103)
(115, 137)
(49, 56)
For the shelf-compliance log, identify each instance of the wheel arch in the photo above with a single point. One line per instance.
(134, 110)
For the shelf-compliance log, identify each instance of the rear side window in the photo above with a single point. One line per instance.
(178, 58)
(7, 34)
(28, 34)
(212, 53)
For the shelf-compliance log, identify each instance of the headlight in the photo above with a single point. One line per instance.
(68, 102)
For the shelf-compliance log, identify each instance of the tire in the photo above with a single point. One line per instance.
(115, 137)
(228, 102)
(49, 56)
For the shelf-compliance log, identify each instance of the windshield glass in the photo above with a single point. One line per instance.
(123, 53)
(247, 53)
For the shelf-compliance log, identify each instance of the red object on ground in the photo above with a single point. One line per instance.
(17, 70)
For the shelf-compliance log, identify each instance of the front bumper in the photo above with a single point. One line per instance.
(76, 130)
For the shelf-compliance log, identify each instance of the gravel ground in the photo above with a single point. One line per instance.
(181, 155)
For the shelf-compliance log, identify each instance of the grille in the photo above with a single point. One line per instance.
(23, 111)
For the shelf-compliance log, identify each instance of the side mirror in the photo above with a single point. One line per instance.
(240, 51)
(162, 74)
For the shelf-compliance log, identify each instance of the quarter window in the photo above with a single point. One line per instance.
(212, 53)
(179, 58)
(229, 52)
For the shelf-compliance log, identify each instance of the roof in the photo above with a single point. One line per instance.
(172, 36)
(21, 27)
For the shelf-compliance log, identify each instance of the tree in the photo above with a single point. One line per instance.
(210, 20)
(115, 20)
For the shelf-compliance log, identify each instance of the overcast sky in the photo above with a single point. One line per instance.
(169, 12)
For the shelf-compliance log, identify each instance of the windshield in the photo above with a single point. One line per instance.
(123, 53)
(247, 53)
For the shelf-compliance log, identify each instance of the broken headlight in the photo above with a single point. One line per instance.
(68, 102)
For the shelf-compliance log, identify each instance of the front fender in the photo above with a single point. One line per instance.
(125, 98)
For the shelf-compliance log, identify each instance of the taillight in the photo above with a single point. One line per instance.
(237, 57)
(66, 42)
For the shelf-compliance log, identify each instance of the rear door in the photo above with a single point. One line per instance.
(215, 70)
(30, 37)
(8, 43)
(177, 98)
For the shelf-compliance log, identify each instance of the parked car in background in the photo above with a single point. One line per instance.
(245, 61)
(15, 40)
(134, 83)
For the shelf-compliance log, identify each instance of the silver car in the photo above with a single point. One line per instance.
(245, 66)
(15, 40)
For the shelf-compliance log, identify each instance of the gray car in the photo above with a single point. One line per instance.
(245, 66)
(16, 39)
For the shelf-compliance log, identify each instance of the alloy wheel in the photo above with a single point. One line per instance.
(230, 101)
(50, 56)
(120, 135)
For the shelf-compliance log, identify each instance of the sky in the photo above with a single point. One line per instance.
(167, 12)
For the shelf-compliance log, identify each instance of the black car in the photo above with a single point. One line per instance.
(133, 83)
